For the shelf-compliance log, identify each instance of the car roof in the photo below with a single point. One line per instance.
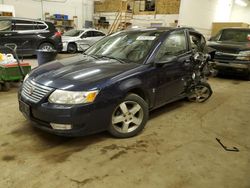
(163, 29)
(18, 18)
(88, 29)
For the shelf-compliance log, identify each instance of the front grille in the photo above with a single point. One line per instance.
(225, 57)
(34, 92)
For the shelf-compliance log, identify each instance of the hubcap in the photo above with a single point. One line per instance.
(200, 94)
(127, 117)
(72, 49)
(47, 48)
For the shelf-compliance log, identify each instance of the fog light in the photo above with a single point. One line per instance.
(61, 126)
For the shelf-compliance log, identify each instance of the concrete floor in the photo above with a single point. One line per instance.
(177, 148)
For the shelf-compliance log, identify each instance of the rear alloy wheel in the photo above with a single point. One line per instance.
(72, 48)
(46, 47)
(129, 117)
(200, 93)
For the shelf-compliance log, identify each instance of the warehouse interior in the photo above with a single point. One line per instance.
(183, 144)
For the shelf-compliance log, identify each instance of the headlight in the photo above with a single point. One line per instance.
(244, 55)
(25, 78)
(72, 97)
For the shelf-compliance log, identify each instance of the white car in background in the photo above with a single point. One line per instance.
(80, 39)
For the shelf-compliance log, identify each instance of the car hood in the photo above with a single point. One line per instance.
(229, 47)
(79, 72)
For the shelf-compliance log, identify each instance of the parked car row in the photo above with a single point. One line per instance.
(120, 78)
(232, 44)
(32, 35)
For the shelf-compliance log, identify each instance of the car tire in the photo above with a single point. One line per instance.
(72, 48)
(129, 117)
(46, 46)
(200, 93)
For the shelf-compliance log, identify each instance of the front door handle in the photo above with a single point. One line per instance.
(6, 35)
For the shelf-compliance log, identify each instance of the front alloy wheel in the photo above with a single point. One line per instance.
(200, 93)
(129, 117)
(72, 48)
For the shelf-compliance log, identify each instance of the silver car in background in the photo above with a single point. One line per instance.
(78, 40)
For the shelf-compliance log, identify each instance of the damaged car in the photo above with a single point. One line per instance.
(114, 84)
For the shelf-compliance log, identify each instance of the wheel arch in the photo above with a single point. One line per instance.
(135, 86)
(140, 92)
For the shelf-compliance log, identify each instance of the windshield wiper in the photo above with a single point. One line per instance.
(108, 57)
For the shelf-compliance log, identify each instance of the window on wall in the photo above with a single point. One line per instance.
(147, 5)
(174, 45)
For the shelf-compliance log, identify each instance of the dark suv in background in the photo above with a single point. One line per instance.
(232, 51)
(29, 35)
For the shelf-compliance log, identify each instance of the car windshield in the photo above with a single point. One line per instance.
(130, 46)
(235, 35)
(73, 33)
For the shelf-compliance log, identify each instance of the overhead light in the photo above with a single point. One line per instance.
(241, 3)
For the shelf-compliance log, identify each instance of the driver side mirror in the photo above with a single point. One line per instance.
(166, 60)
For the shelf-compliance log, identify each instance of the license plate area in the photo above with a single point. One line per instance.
(24, 108)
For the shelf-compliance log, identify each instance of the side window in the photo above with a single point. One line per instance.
(197, 42)
(39, 26)
(87, 34)
(175, 44)
(23, 25)
(98, 34)
(5, 25)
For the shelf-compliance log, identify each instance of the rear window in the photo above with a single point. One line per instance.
(235, 35)
(40, 25)
(23, 25)
(5, 25)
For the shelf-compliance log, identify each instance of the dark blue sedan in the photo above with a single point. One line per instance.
(111, 86)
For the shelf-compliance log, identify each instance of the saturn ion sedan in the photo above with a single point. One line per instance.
(111, 86)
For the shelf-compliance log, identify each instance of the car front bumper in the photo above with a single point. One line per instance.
(64, 47)
(234, 66)
(85, 119)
